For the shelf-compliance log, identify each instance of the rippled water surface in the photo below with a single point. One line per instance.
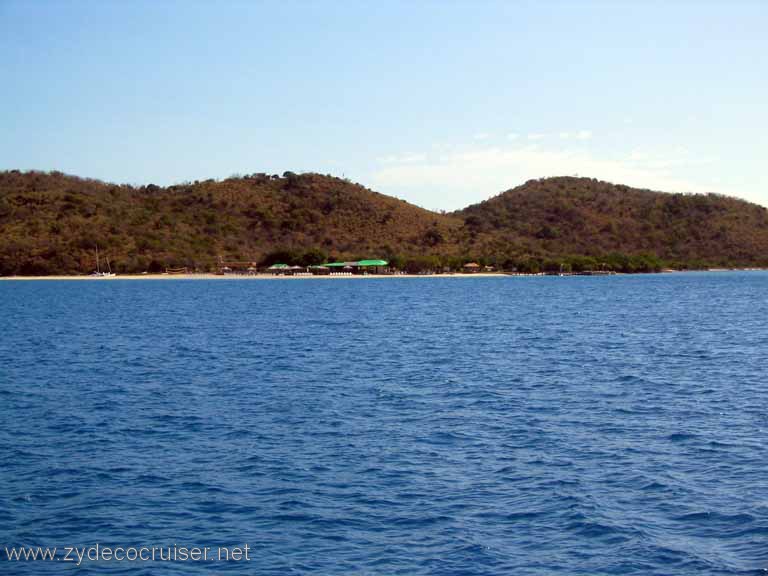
(459, 426)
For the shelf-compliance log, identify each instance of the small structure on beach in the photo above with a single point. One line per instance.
(372, 263)
(278, 268)
(182, 270)
(471, 267)
(236, 267)
(358, 267)
(319, 270)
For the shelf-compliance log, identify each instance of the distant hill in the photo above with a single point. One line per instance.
(583, 216)
(50, 223)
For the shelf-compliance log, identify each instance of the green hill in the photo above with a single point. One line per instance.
(50, 223)
(560, 217)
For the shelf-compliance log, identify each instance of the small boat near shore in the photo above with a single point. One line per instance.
(98, 273)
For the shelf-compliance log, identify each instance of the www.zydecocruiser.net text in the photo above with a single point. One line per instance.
(100, 553)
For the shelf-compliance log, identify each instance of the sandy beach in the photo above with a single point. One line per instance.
(248, 277)
(208, 276)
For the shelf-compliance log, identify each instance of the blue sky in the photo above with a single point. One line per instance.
(440, 103)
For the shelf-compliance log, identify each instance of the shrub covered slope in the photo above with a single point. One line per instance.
(51, 223)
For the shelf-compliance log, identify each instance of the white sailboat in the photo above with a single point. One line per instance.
(98, 273)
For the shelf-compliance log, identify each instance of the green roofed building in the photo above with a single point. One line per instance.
(278, 267)
(361, 266)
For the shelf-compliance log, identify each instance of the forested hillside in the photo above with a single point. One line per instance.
(582, 216)
(51, 223)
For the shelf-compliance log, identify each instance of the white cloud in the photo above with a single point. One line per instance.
(637, 156)
(481, 136)
(405, 159)
(679, 156)
(536, 136)
(584, 135)
(441, 146)
(513, 136)
(565, 135)
(456, 179)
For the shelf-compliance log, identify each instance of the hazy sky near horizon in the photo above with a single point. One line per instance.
(440, 103)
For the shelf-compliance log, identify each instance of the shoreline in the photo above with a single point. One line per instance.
(209, 276)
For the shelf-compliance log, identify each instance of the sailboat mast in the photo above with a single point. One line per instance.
(97, 259)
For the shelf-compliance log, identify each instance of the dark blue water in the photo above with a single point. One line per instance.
(460, 426)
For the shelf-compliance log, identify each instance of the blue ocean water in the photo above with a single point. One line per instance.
(527, 426)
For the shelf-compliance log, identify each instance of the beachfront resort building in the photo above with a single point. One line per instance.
(332, 268)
